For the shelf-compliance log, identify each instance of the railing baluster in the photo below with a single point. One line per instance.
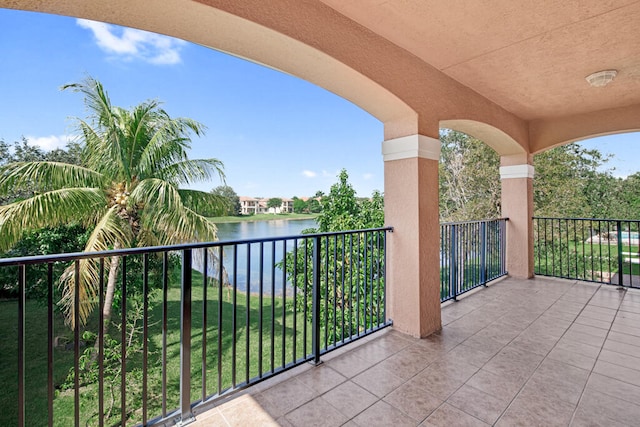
(234, 316)
(185, 338)
(351, 262)
(284, 304)
(358, 247)
(101, 344)
(483, 253)
(273, 305)
(22, 279)
(123, 345)
(335, 289)
(76, 344)
(50, 333)
(295, 298)
(305, 296)
(248, 315)
(220, 305)
(315, 338)
(145, 335)
(453, 263)
(165, 290)
(620, 257)
(260, 303)
(205, 279)
(326, 293)
(342, 277)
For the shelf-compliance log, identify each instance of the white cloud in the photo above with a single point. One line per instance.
(309, 174)
(130, 43)
(49, 143)
(327, 174)
(367, 176)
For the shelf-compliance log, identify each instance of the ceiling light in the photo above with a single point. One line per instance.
(601, 78)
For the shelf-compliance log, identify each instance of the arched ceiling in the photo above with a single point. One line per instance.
(516, 66)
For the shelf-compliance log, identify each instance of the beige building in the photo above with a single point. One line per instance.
(257, 205)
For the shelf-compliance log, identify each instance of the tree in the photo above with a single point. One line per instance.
(314, 206)
(349, 282)
(274, 202)
(128, 190)
(469, 178)
(568, 182)
(22, 151)
(340, 209)
(299, 205)
(229, 198)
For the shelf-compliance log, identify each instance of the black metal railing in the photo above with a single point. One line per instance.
(190, 324)
(472, 254)
(595, 250)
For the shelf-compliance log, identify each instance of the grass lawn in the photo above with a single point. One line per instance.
(247, 322)
(587, 260)
(262, 217)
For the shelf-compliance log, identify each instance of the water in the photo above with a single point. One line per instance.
(246, 270)
(257, 229)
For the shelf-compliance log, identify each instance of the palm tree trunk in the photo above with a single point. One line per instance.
(108, 300)
(111, 287)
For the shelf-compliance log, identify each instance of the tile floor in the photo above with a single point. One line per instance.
(541, 352)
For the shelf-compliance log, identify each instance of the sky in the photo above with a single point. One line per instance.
(277, 135)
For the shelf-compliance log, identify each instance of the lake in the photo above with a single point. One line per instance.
(247, 268)
(256, 229)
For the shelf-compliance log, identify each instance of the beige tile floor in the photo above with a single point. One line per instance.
(541, 352)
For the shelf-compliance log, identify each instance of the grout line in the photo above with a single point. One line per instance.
(552, 348)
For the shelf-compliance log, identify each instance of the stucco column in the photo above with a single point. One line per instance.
(411, 208)
(516, 175)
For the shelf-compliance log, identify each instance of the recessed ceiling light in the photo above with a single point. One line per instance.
(601, 78)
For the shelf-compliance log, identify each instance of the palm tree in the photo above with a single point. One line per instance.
(127, 190)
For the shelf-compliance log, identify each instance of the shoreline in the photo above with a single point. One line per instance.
(263, 217)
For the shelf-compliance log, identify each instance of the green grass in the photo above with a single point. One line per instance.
(64, 401)
(35, 360)
(591, 259)
(262, 217)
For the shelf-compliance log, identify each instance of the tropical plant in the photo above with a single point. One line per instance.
(230, 199)
(350, 266)
(127, 190)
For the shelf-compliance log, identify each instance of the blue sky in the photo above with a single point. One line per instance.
(276, 134)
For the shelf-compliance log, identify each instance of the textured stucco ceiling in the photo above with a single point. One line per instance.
(530, 57)
(509, 71)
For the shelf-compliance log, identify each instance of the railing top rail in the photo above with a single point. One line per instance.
(41, 259)
(586, 219)
(474, 222)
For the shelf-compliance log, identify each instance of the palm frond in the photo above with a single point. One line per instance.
(189, 171)
(169, 143)
(184, 226)
(47, 209)
(165, 212)
(111, 229)
(139, 128)
(50, 175)
(204, 203)
(95, 98)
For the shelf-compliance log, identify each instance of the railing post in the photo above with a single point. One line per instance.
(483, 253)
(453, 263)
(21, 344)
(620, 258)
(186, 416)
(315, 314)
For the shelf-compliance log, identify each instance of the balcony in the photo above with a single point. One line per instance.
(259, 351)
(547, 351)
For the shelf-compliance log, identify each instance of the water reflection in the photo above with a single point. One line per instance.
(255, 264)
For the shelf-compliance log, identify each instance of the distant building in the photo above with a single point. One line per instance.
(256, 205)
